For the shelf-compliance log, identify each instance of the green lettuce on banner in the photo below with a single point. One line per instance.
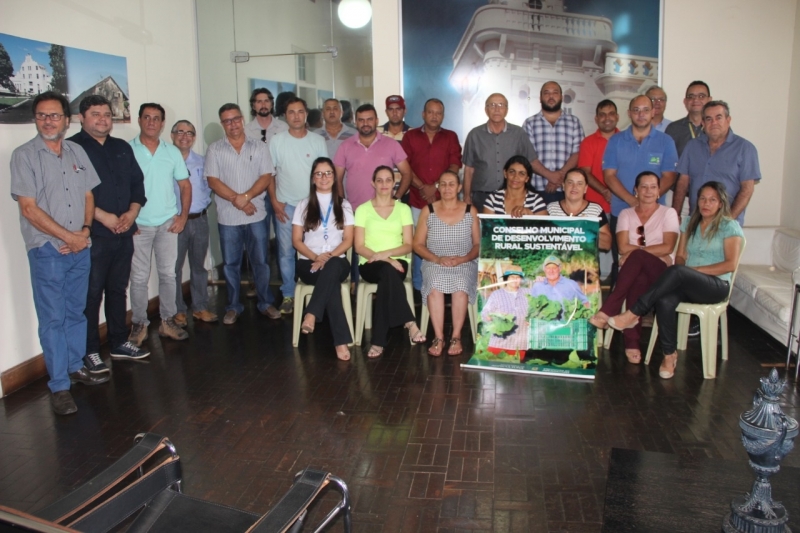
(538, 284)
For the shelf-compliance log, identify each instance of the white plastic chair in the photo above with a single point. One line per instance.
(302, 293)
(713, 321)
(364, 305)
(472, 312)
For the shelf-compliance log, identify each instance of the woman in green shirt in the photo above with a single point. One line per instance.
(383, 236)
(708, 253)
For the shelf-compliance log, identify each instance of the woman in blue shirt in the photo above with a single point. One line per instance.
(707, 255)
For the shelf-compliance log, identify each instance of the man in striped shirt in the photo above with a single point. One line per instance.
(239, 170)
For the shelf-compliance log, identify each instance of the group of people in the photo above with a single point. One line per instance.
(94, 209)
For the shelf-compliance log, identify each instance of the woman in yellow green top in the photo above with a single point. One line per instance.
(383, 236)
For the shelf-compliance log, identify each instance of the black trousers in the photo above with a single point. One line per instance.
(327, 295)
(678, 284)
(612, 222)
(390, 307)
(110, 273)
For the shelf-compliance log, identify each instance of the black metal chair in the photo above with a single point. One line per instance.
(141, 492)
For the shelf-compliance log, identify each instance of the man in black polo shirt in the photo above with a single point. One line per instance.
(117, 200)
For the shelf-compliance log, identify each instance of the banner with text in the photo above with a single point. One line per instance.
(538, 284)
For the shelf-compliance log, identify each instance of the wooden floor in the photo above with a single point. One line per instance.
(423, 445)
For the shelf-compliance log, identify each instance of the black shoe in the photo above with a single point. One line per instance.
(94, 364)
(694, 326)
(128, 350)
(62, 403)
(87, 378)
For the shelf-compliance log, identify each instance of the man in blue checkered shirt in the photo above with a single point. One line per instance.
(557, 137)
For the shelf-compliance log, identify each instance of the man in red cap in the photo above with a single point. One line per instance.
(396, 111)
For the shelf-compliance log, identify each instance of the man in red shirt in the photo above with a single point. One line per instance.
(590, 160)
(431, 150)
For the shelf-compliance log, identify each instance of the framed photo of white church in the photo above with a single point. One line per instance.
(29, 67)
(461, 51)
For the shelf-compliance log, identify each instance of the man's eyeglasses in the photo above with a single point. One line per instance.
(693, 96)
(55, 117)
(325, 173)
(234, 120)
(181, 133)
(497, 105)
(640, 233)
(654, 100)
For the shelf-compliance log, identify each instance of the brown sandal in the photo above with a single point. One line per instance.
(415, 336)
(455, 347)
(435, 349)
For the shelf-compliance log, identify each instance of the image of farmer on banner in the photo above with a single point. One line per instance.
(556, 287)
(505, 313)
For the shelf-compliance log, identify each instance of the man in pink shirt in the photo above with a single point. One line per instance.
(359, 156)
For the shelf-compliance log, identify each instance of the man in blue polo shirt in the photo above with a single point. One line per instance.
(718, 154)
(640, 147)
(159, 224)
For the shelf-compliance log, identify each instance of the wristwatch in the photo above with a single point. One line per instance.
(87, 227)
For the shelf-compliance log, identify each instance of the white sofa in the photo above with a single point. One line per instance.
(763, 289)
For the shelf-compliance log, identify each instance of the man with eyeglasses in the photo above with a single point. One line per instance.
(659, 99)
(396, 126)
(557, 137)
(117, 202)
(718, 154)
(292, 154)
(239, 170)
(159, 224)
(689, 127)
(52, 181)
(193, 240)
(488, 147)
(638, 148)
(335, 132)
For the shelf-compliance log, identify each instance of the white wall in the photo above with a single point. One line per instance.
(158, 39)
(790, 211)
(742, 49)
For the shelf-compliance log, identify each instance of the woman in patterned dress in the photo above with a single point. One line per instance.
(448, 240)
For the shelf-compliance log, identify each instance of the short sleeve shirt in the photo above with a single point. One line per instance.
(160, 170)
(496, 202)
(360, 163)
(315, 239)
(383, 234)
(239, 171)
(254, 131)
(592, 210)
(333, 143)
(702, 252)
(58, 184)
(628, 157)
(488, 152)
(201, 192)
(564, 289)
(733, 162)
(292, 158)
(664, 220)
(682, 131)
(554, 143)
(429, 159)
(591, 155)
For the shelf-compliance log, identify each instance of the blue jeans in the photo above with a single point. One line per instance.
(286, 252)
(60, 283)
(416, 261)
(255, 239)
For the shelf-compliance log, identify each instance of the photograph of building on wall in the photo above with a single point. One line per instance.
(595, 49)
(29, 67)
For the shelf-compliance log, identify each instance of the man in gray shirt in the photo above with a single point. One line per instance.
(239, 170)
(335, 131)
(52, 181)
(487, 149)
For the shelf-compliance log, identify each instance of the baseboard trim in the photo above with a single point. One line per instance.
(34, 368)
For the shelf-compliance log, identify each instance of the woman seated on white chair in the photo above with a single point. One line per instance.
(383, 229)
(448, 238)
(516, 197)
(707, 255)
(322, 232)
(646, 238)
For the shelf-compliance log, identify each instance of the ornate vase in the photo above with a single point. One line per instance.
(767, 435)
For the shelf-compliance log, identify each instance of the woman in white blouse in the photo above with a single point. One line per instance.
(322, 232)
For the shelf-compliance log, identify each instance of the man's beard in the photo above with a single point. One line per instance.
(263, 113)
(551, 109)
